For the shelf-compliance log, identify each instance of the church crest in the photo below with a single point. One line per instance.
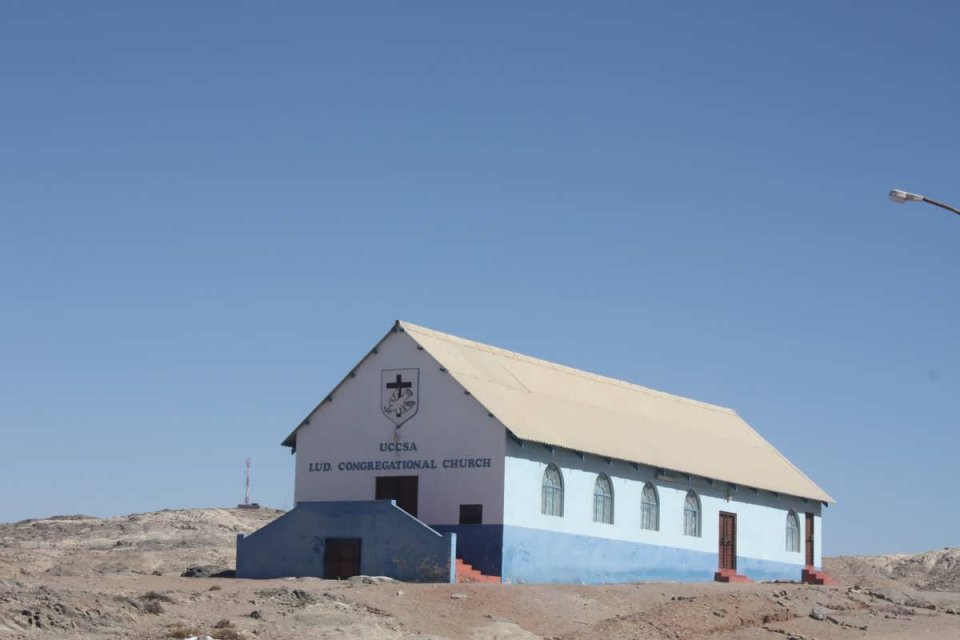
(399, 394)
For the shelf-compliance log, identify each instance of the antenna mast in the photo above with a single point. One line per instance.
(246, 494)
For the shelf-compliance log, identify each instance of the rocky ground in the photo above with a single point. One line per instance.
(121, 577)
(930, 571)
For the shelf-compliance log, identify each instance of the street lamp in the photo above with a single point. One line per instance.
(903, 196)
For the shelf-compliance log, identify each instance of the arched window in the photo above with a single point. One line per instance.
(551, 497)
(650, 509)
(793, 532)
(603, 500)
(691, 515)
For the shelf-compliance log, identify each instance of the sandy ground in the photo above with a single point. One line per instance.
(120, 577)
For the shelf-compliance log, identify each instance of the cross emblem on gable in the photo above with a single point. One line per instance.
(399, 394)
(399, 385)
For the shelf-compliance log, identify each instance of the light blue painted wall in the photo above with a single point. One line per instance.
(761, 517)
(539, 556)
(393, 543)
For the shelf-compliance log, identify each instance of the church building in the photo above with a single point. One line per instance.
(441, 459)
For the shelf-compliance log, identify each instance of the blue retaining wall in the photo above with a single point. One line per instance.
(539, 556)
(393, 543)
(480, 545)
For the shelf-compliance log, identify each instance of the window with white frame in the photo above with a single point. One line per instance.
(793, 532)
(649, 509)
(691, 515)
(551, 496)
(603, 500)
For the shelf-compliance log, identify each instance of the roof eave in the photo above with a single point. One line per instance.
(823, 497)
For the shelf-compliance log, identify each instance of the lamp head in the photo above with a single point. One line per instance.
(900, 197)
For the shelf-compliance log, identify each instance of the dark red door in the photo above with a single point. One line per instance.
(403, 489)
(728, 541)
(341, 558)
(809, 539)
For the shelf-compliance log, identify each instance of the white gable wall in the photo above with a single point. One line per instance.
(448, 425)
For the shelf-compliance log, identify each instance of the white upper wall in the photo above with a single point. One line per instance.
(761, 518)
(448, 426)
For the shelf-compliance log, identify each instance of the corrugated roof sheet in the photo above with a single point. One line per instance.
(548, 403)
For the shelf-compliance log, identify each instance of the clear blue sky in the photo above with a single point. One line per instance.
(209, 212)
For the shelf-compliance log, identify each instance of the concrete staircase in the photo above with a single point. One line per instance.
(810, 575)
(730, 575)
(466, 573)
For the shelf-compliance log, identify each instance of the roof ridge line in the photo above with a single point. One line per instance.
(556, 365)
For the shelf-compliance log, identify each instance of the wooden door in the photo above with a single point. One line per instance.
(728, 541)
(809, 539)
(341, 559)
(403, 489)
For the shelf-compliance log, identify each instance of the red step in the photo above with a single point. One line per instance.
(810, 575)
(466, 573)
(730, 575)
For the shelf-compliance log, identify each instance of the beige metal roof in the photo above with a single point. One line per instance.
(555, 405)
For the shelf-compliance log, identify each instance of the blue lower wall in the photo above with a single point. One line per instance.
(480, 545)
(758, 570)
(539, 556)
(395, 544)
(392, 543)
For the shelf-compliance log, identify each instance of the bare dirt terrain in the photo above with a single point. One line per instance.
(121, 577)
(931, 571)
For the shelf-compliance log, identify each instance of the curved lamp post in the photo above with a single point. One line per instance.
(903, 196)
